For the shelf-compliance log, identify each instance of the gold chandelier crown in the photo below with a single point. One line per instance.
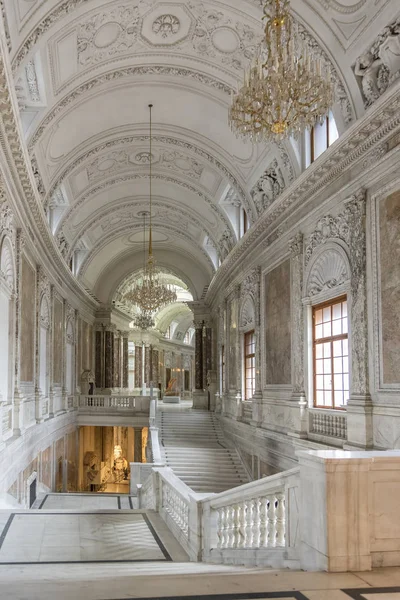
(288, 86)
(149, 292)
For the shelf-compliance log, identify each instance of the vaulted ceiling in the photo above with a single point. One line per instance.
(85, 72)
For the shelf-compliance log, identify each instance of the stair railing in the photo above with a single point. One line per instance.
(255, 523)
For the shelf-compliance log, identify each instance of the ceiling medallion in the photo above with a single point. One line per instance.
(288, 86)
(166, 25)
(149, 292)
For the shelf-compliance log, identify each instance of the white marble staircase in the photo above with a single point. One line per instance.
(192, 444)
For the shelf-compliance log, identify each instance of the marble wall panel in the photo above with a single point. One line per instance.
(277, 326)
(46, 467)
(57, 341)
(389, 225)
(233, 357)
(28, 313)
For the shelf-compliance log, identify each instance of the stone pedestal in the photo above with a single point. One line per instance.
(349, 517)
(200, 400)
(171, 400)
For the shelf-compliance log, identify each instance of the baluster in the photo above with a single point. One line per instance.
(263, 522)
(271, 522)
(280, 519)
(256, 523)
(337, 426)
(236, 525)
(219, 526)
(241, 524)
(224, 530)
(330, 430)
(248, 532)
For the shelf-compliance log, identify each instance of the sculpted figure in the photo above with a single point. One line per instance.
(368, 68)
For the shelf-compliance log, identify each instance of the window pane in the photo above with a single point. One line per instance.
(327, 314)
(318, 350)
(318, 332)
(327, 350)
(344, 308)
(336, 327)
(337, 311)
(319, 367)
(338, 382)
(337, 365)
(328, 398)
(339, 397)
(345, 347)
(318, 317)
(320, 398)
(346, 382)
(320, 382)
(345, 364)
(327, 329)
(327, 365)
(327, 382)
(344, 326)
(337, 348)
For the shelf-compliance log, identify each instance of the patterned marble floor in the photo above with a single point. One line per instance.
(48, 537)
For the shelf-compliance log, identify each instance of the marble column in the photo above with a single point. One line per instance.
(155, 370)
(99, 358)
(199, 355)
(125, 360)
(359, 408)
(138, 444)
(138, 366)
(109, 359)
(207, 353)
(147, 365)
(117, 360)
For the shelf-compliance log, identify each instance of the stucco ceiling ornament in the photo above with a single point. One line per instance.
(107, 184)
(270, 185)
(38, 178)
(62, 244)
(166, 26)
(44, 312)
(225, 244)
(107, 33)
(182, 145)
(7, 223)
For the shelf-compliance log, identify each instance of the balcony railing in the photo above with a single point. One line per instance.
(114, 405)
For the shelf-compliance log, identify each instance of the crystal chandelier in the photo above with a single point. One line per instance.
(149, 292)
(144, 321)
(288, 86)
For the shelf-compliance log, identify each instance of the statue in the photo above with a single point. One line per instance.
(368, 68)
(171, 391)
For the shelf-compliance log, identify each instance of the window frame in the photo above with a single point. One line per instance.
(321, 305)
(250, 356)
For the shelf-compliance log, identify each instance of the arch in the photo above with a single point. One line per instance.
(329, 269)
(7, 263)
(247, 318)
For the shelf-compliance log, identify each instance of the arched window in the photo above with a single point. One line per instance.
(319, 138)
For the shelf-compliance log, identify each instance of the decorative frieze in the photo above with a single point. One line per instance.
(269, 186)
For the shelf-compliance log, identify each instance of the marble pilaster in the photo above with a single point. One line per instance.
(199, 355)
(138, 366)
(109, 358)
(359, 408)
(125, 361)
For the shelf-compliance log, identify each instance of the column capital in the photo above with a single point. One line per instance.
(296, 245)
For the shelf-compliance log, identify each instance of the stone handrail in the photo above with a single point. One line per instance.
(255, 523)
(98, 404)
(238, 525)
